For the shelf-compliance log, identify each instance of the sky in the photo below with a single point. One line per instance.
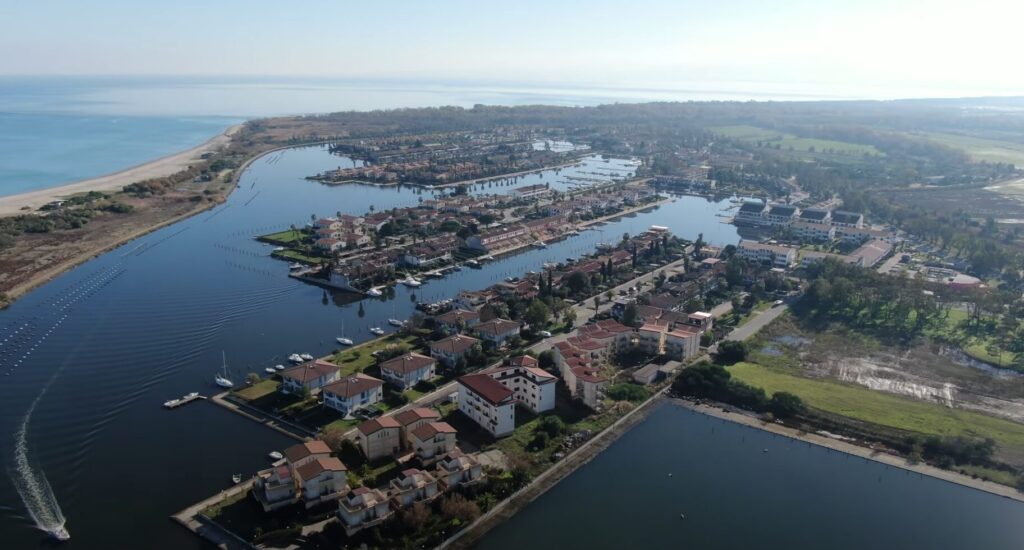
(936, 48)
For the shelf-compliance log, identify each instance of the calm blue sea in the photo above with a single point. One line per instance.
(56, 130)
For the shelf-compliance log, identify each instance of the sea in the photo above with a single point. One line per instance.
(87, 360)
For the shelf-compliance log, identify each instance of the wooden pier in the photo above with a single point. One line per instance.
(175, 403)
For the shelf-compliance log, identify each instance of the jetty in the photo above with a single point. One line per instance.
(184, 400)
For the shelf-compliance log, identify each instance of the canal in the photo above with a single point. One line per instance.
(87, 359)
(682, 479)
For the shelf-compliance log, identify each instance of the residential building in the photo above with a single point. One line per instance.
(321, 480)
(412, 486)
(405, 371)
(352, 393)
(531, 386)
(284, 484)
(456, 320)
(449, 350)
(380, 437)
(776, 255)
(431, 440)
(816, 215)
(457, 468)
(781, 214)
(413, 418)
(361, 508)
(751, 213)
(275, 488)
(813, 231)
(841, 218)
(488, 403)
(872, 252)
(531, 191)
(811, 257)
(497, 331)
(308, 376)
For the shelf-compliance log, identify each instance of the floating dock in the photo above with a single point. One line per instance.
(185, 400)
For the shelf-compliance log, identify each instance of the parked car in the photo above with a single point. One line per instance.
(778, 303)
(544, 334)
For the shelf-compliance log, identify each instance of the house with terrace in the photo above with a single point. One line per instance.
(410, 419)
(781, 214)
(352, 393)
(457, 468)
(431, 440)
(308, 376)
(531, 386)
(411, 486)
(361, 508)
(456, 320)
(307, 473)
(751, 213)
(405, 371)
(816, 215)
(321, 480)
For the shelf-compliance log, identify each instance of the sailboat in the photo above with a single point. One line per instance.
(341, 339)
(222, 380)
(394, 321)
(374, 292)
(377, 330)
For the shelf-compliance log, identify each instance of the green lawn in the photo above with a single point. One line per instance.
(980, 149)
(881, 408)
(787, 141)
(283, 238)
(974, 345)
(359, 358)
(258, 390)
(296, 256)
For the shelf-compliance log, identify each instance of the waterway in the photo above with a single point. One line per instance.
(94, 353)
(725, 492)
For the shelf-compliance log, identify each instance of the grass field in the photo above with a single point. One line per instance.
(296, 256)
(882, 408)
(975, 346)
(258, 390)
(980, 149)
(358, 358)
(787, 141)
(285, 238)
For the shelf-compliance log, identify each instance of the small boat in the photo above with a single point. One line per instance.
(540, 244)
(374, 292)
(473, 263)
(295, 266)
(395, 322)
(295, 358)
(411, 281)
(279, 367)
(270, 370)
(172, 403)
(344, 341)
(276, 455)
(236, 478)
(222, 379)
(457, 268)
(377, 330)
(279, 249)
(307, 357)
(59, 533)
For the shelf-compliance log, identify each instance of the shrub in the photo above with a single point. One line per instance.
(732, 351)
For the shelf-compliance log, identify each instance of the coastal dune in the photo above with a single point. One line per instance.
(164, 166)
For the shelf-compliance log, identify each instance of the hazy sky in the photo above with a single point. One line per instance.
(960, 47)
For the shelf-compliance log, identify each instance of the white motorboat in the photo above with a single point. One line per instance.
(172, 403)
(374, 292)
(270, 370)
(59, 533)
(222, 379)
(473, 263)
(307, 357)
(276, 455)
(411, 281)
(236, 478)
(279, 367)
(395, 322)
(540, 244)
(295, 266)
(279, 249)
(344, 341)
(377, 330)
(295, 358)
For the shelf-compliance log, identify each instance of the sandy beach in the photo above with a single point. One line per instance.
(165, 166)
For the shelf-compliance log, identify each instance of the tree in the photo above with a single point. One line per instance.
(252, 378)
(701, 380)
(577, 282)
(551, 425)
(732, 351)
(629, 315)
(456, 507)
(569, 316)
(537, 314)
(786, 405)
(546, 359)
(415, 517)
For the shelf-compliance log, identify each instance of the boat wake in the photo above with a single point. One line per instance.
(32, 485)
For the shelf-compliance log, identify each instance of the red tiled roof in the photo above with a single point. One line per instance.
(405, 364)
(306, 372)
(407, 417)
(431, 429)
(296, 453)
(454, 344)
(314, 468)
(456, 315)
(486, 387)
(496, 327)
(377, 424)
(523, 361)
(353, 385)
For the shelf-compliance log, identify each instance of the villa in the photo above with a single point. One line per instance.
(308, 376)
(412, 486)
(410, 419)
(308, 473)
(456, 320)
(352, 393)
(408, 370)
(497, 331)
(457, 468)
(449, 350)
(361, 508)
(379, 437)
(432, 440)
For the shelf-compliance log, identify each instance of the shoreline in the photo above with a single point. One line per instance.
(156, 168)
(992, 488)
(48, 275)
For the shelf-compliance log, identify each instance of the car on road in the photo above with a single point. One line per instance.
(778, 303)
(544, 334)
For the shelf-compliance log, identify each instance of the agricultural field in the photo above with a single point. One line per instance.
(754, 134)
(979, 149)
(885, 409)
